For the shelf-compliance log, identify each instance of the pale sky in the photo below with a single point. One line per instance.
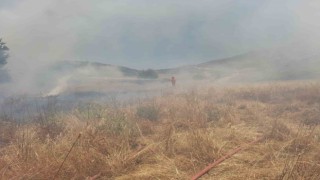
(150, 33)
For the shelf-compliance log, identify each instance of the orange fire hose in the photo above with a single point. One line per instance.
(223, 158)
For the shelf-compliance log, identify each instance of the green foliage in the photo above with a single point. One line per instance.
(128, 71)
(150, 112)
(148, 74)
(3, 53)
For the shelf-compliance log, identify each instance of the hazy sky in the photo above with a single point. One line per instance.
(150, 33)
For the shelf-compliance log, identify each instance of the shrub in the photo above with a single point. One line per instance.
(149, 112)
(148, 74)
(213, 115)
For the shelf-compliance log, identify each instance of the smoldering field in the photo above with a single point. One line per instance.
(124, 127)
(70, 83)
(87, 120)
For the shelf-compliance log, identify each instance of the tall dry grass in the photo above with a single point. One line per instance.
(173, 137)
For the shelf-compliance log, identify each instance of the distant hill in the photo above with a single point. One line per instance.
(99, 69)
(259, 66)
(91, 76)
(266, 65)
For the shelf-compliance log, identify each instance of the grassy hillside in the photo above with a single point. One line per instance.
(260, 66)
(266, 66)
(172, 136)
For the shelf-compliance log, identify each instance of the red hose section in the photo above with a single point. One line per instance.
(223, 158)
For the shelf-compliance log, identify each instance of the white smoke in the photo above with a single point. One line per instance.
(61, 86)
(145, 33)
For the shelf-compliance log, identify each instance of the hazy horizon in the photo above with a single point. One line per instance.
(150, 34)
(145, 34)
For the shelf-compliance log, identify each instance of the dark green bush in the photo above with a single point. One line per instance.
(148, 74)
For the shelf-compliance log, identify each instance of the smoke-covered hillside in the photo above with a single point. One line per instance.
(74, 76)
(260, 66)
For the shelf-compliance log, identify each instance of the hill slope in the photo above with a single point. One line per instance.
(259, 66)
(267, 65)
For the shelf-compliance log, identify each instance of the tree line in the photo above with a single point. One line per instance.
(4, 53)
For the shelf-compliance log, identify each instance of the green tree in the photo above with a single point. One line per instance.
(3, 53)
(148, 74)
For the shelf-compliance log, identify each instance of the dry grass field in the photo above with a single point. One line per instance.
(173, 136)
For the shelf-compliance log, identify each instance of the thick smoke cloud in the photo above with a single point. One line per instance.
(147, 33)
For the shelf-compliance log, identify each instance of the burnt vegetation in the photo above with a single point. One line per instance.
(168, 137)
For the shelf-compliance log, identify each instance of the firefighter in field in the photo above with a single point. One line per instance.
(173, 81)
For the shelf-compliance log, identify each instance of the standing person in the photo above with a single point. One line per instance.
(173, 81)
